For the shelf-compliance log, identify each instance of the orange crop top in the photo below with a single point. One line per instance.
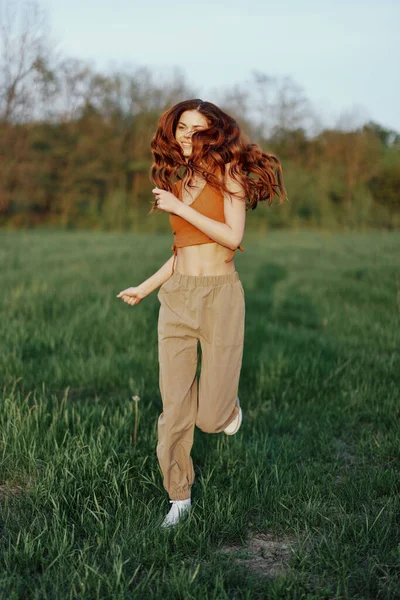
(209, 203)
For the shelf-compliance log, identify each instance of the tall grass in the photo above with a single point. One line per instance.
(316, 462)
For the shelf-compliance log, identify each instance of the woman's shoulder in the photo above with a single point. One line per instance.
(232, 183)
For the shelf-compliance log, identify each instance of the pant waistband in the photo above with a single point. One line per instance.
(205, 280)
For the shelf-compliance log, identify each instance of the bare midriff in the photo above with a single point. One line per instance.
(204, 259)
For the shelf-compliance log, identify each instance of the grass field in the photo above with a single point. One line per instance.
(304, 502)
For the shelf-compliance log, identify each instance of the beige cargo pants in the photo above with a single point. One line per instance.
(209, 310)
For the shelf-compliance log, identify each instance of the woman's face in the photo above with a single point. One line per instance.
(189, 122)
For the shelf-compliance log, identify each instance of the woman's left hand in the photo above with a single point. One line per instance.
(166, 201)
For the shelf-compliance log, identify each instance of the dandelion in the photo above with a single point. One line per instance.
(136, 400)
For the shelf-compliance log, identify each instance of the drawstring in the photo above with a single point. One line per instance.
(233, 254)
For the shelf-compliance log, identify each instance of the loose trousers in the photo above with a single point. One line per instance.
(210, 310)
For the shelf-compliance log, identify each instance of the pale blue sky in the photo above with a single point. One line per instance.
(345, 54)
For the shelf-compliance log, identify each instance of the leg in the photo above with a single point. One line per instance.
(178, 386)
(222, 350)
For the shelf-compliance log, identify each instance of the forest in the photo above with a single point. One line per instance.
(75, 143)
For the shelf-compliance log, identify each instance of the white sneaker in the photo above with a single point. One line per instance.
(236, 423)
(179, 509)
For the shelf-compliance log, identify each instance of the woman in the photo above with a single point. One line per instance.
(206, 176)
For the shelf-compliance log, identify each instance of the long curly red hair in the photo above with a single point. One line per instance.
(259, 173)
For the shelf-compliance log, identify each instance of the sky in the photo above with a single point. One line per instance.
(344, 54)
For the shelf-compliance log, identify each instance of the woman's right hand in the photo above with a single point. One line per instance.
(132, 295)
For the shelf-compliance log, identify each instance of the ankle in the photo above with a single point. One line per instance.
(182, 502)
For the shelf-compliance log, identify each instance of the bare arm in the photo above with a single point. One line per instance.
(134, 295)
(159, 277)
(228, 234)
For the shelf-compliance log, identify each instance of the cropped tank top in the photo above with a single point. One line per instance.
(209, 203)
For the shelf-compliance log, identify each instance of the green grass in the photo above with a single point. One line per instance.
(317, 459)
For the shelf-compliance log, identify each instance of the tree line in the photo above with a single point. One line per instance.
(75, 142)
